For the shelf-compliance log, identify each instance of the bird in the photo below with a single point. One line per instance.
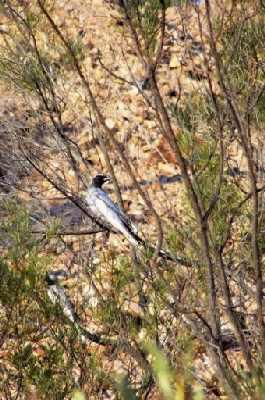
(105, 210)
(58, 296)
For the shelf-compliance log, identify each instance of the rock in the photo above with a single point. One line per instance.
(175, 61)
(110, 123)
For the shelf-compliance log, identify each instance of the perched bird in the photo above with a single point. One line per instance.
(105, 210)
(58, 296)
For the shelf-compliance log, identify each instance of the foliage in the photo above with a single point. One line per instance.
(26, 314)
(150, 318)
(243, 57)
(171, 386)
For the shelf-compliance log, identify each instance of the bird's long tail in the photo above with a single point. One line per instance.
(137, 241)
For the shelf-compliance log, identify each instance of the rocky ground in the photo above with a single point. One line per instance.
(119, 83)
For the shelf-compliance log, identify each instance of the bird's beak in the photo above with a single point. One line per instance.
(60, 279)
(108, 179)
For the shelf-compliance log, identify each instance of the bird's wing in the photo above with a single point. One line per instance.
(57, 295)
(102, 206)
(126, 220)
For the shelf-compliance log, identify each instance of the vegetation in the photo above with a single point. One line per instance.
(145, 326)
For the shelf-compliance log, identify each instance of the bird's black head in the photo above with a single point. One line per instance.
(54, 277)
(100, 179)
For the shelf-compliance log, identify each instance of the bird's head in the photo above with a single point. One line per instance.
(100, 179)
(56, 277)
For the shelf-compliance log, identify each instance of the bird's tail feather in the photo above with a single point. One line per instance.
(162, 253)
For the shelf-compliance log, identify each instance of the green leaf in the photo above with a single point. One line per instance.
(162, 371)
(78, 395)
(123, 385)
